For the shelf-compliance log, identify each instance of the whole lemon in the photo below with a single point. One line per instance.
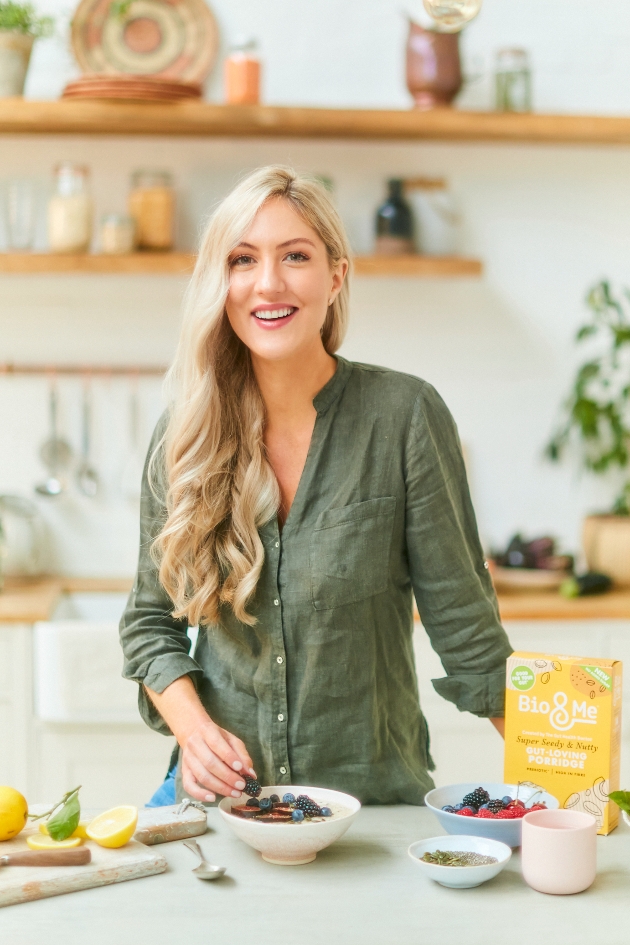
(13, 812)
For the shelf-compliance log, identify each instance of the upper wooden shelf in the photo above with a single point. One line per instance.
(19, 115)
(182, 264)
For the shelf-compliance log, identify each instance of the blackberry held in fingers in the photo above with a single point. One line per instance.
(252, 786)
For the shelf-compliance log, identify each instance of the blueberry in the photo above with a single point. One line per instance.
(506, 800)
(297, 816)
(449, 808)
(458, 806)
(326, 812)
(265, 803)
(484, 807)
(288, 798)
(253, 802)
(274, 798)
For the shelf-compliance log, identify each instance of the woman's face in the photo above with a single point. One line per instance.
(281, 284)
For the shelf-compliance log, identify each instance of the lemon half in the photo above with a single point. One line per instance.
(115, 827)
(38, 841)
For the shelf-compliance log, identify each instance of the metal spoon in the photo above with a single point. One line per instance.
(86, 476)
(204, 870)
(55, 453)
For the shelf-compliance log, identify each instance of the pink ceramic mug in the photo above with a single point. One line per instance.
(559, 851)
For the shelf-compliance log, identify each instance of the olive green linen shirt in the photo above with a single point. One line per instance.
(323, 690)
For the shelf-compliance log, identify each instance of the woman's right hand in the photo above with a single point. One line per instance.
(213, 760)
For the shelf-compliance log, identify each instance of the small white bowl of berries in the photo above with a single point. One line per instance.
(489, 810)
(289, 824)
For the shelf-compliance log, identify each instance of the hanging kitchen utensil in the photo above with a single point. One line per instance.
(86, 475)
(55, 452)
(131, 480)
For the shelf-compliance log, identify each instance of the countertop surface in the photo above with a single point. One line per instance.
(364, 890)
(30, 600)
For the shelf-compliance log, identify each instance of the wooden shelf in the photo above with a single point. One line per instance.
(550, 605)
(181, 264)
(25, 116)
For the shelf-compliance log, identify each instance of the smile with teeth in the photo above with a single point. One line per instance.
(274, 314)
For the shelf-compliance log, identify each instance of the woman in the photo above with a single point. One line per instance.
(292, 503)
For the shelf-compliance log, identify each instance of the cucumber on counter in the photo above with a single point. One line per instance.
(582, 584)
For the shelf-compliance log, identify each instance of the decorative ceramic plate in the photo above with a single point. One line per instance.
(175, 39)
(131, 88)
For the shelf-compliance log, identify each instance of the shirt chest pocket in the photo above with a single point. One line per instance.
(350, 550)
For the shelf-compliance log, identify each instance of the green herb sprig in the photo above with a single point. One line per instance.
(621, 799)
(63, 818)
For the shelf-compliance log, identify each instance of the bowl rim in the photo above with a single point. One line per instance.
(226, 803)
(506, 856)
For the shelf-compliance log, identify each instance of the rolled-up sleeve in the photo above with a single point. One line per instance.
(451, 582)
(156, 646)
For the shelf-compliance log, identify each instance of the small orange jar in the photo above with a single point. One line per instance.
(242, 74)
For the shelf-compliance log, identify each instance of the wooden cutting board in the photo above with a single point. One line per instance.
(23, 883)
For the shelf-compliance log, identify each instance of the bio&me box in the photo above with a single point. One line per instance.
(563, 730)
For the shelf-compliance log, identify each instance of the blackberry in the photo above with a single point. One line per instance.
(308, 806)
(476, 798)
(496, 805)
(252, 786)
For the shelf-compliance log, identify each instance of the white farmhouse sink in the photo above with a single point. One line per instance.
(78, 663)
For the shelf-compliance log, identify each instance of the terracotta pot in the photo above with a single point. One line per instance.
(606, 541)
(434, 75)
(15, 54)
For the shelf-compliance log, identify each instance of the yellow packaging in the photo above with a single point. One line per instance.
(563, 730)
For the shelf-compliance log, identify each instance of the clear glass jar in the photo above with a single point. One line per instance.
(152, 206)
(513, 81)
(70, 210)
(242, 74)
(118, 234)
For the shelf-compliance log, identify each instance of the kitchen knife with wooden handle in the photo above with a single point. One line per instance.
(77, 856)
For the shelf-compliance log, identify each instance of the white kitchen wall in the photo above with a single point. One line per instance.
(547, 221)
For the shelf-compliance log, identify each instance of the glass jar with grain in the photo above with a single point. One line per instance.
(152, 206)
(70, 210)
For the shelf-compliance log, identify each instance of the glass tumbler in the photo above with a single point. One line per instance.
(20, 214)
(513, 81)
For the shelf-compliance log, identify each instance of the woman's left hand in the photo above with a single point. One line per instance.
(499, 724)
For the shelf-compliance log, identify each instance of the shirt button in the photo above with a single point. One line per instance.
(277, 544)
(279, 659)
(283, 770)
(486, 565)
(276, 601)
(281, 717)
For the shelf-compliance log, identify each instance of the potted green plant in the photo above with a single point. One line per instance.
(597, 422)
(20, 26)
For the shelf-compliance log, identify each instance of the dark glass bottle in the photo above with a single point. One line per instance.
(394, 222)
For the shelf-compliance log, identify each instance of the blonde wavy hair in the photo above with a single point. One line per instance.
(220, 486)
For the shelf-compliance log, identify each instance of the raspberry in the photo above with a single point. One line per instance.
(506, 814)
(518, 812)
(537, 807)
(466, 812)
(486, 814)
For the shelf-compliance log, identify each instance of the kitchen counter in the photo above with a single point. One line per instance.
(29, 600)
(363, 890)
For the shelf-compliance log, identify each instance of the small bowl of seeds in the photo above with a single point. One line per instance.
(460, 862)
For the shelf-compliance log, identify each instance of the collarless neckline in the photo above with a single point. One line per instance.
(332, 389)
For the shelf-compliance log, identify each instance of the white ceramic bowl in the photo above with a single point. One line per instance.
(293, 844)
(505, 831)
(461, 877)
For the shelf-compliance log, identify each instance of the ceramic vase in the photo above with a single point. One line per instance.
(434, 75)
(606, 542)
(15, 54)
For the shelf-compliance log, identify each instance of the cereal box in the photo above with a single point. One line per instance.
(563, 730)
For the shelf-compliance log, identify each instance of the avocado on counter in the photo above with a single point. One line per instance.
(582, 584)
